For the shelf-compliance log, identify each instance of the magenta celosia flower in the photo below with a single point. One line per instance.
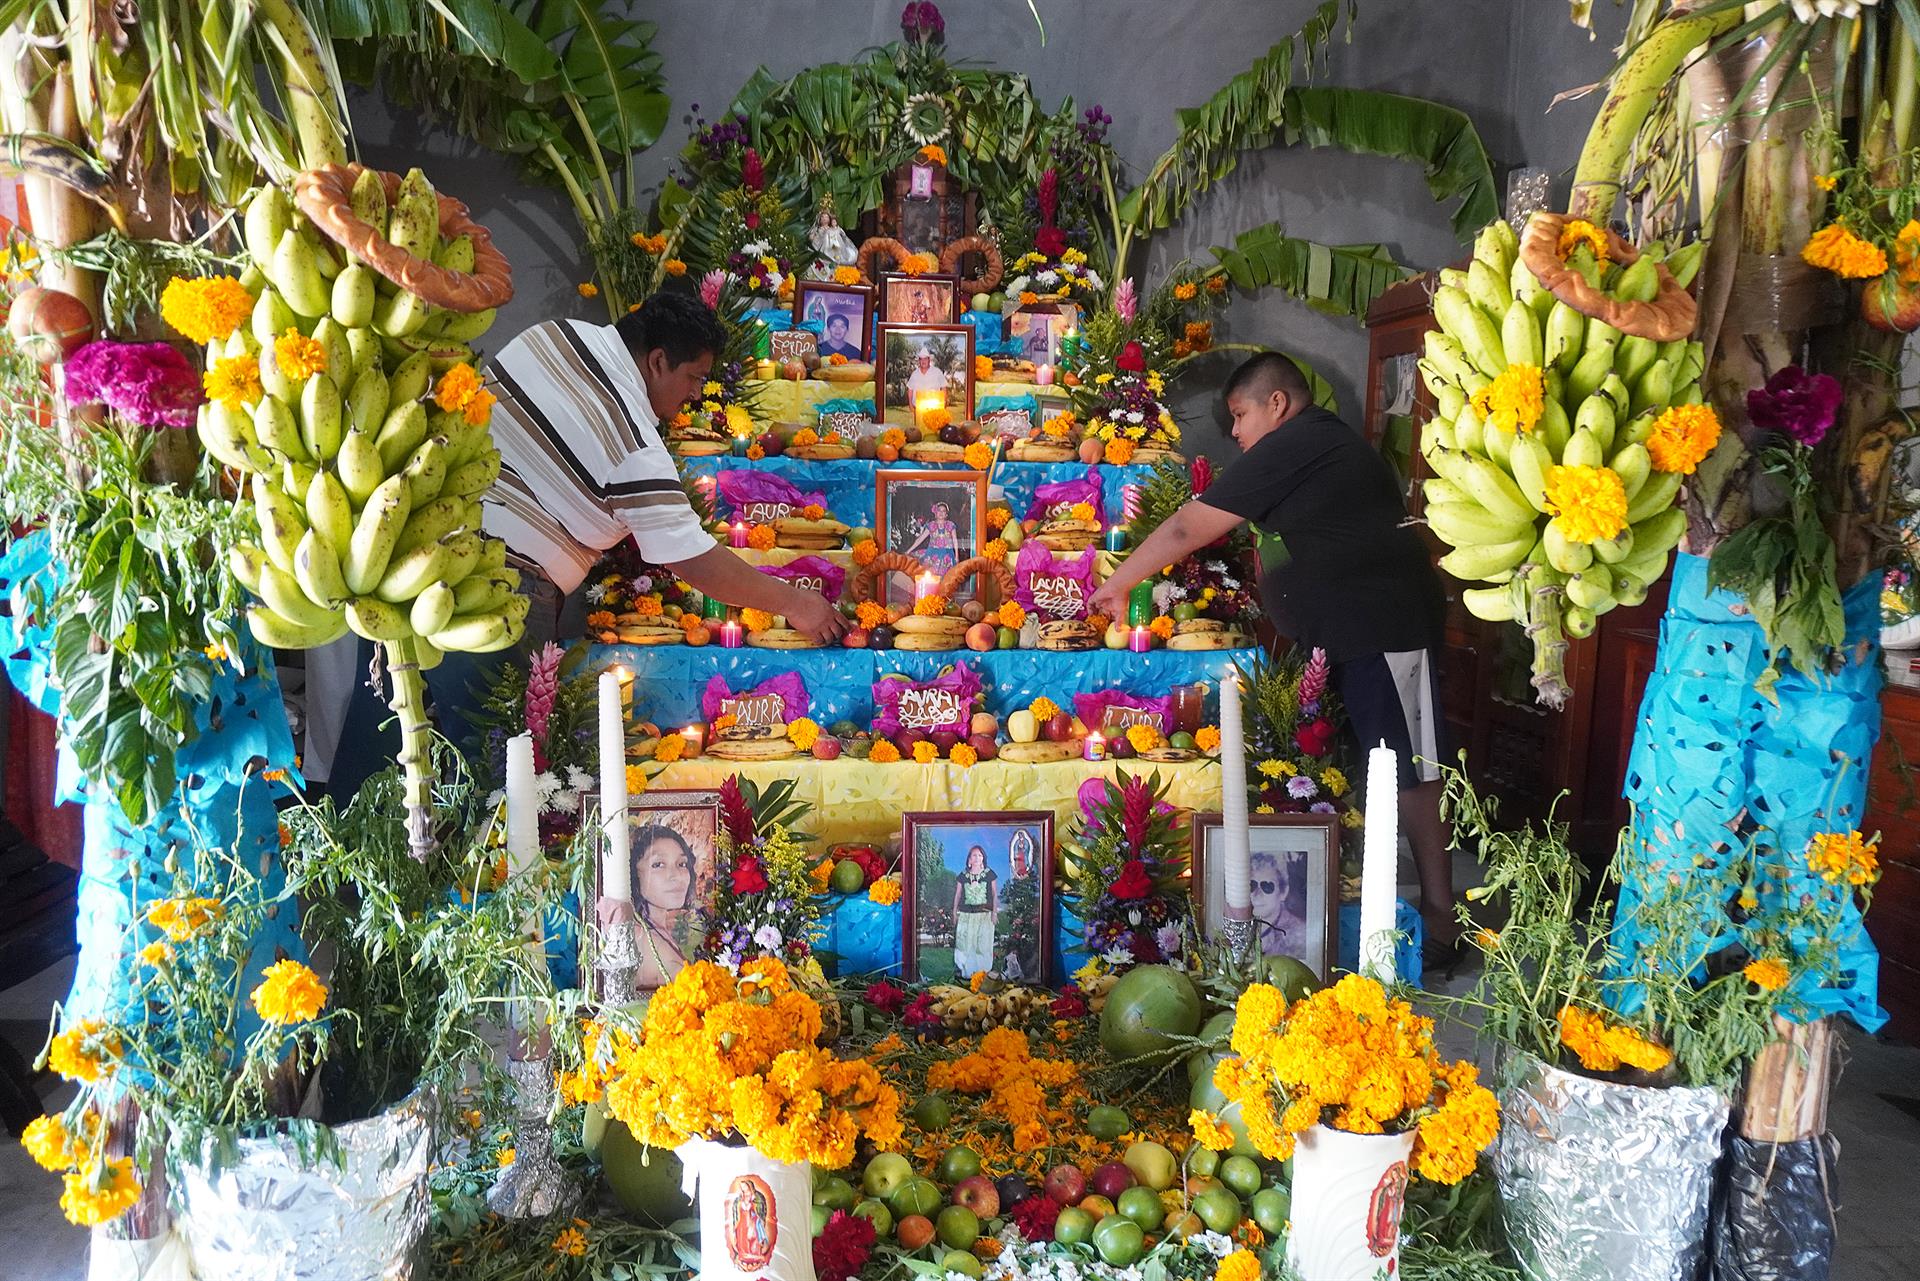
(1797, 404)
(150, 384)
(921, 21)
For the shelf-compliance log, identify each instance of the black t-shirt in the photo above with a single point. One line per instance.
(1354, 580)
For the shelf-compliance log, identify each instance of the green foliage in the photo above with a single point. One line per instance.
(1413, 129)
(1341, 280)
(1166, 491)
(134, 272)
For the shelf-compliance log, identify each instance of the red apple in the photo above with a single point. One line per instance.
(1066, 1184)
(1059, 728)
(855, 638)
(905, 740)
(979, 1195)
(983, 746)
(943, 741)
(1119, 748)
(772, 443)
(1111, 1179)
(826, 748)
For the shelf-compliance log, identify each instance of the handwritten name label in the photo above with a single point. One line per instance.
(809, 583)
(930, 708)
(1060, 597)
(1118, 720)
(793, 344)
(756, 711)
(765, 513)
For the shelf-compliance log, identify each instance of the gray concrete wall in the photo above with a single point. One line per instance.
(1498, 60)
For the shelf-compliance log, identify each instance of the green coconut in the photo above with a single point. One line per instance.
(645, 1180)
(1150, 1005)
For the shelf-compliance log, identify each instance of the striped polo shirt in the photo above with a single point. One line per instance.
(582, 463)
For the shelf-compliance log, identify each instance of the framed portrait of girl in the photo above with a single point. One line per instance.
(671, 865)
(937, 517)
(976, 896)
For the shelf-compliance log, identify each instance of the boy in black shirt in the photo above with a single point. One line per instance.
(1355, 582)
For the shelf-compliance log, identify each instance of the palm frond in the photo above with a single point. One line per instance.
(1434, 135)
(1341, 280)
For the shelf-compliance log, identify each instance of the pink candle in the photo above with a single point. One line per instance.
(739, 538)
(1141, 641)
(730, 635)
(1095, 747)
(1043, 376)
(927, 586)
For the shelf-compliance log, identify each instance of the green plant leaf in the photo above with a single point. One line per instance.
(1341, 280)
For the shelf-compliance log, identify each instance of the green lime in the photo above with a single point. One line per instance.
(836, 1194)
(1271, 1206)
(932, 1112)
(959, 1163)
(849, 877)
(1143, 1206)
(1108, 1122)
(1185, 613)
(1203, 1162)
(1242, 1174)
(1119, 1240)
(957, 1227)
(1073, 1227)
(1181, 740)
(820, 1216)
(1219, 1209)
(1293, 976)
(960, 1261)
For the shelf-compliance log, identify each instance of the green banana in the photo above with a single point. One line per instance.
(482, 592)
(1612, 551)
(1448, 401)
(295, 477)
(376, 620)
(1497, 246)
(295, 272)
(1481, 562)
(244, 561)
(271, 317)
(429, 523)
(276, 385)
(474, 477)
(374, 535)
(1469, 524)
(474, 634)
(1470, 327)
(216, 425)
(1632, 356)
(269, 216)
(367, 401)
(1583, 450)
(400, 315)
(329, 510)
(1592, 587)
(352, 298)
(456, 254)
(401, 434)
(1634, 464)
(284, 596)
(1469, 433)
(463, 553)
(1553, 430)
(426, 471)
(1520, 335)
(1490, 604)
(1639, 429)
(432, 609)
(467, 326)
(1495, 490)
(1592, 369)
(410, 573)
(1615, 391)
(281, 521)
(1654, 496)
(1684, 263)
(1596, 417)
(1655, 388)
(1444, 353)
(413, 221)
(1659, 533)
(1487, 287)
(1563, 553)
(1639, 281)
(493, 557)
(1565, 330)
(277, 632)
(369, 199)
(1629, 592)
(1578, 622)
(359, 467)
(366, 350)
(317, 569)
(320, 414)
(411, 379)
(1529, 461)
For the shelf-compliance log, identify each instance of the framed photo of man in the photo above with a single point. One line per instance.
(1038, 330)
(937, 517)
(672, 865)
(844, 314)
(976, 895)
(919, 300)
(1295, 870)
(923, 367)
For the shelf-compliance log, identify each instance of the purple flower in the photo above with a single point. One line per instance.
(1322, 807)
(150, 384)
(1796, 404)
(1168, 938)
(921, 21)
(1302, 788)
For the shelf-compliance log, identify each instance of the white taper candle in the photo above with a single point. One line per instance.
(523, 846)
(1380, 865)
(1236, 859)
(616, 874)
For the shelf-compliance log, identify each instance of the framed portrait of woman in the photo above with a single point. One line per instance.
(937, 517)
(1294, 866)
(976, 896)
(672, 865)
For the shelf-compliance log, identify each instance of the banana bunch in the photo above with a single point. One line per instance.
(1544, 486)
(963, 1010)
(368, 493)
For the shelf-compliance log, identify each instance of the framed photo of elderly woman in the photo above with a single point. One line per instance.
(1294, 865)
(671, 860)
(976, 895)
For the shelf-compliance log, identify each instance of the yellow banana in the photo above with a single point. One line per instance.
(295, 476)
(432, 609)
(352, 297)
(410, 379)
(320, 415)
(376, 620)
(369, 199)
(329, 511)
(277, 632)
(1520, 336)
(410, 573)
(1436, 490)
(1655, 496)
(277, 385)
(476, 634)
(1529, 462)
(244, 561)
(426, 471)
(1563, 553)
(1480, 563)
(374, 535)
(214, 423)
(359, 466)
(1553, 430)
(295, 272)
(284, 596)
(1470, 433)
(1497, 246)
(281, 522)
(367, 400)
(1469, 524)
(271, 317)
(269, 216)
(430, 522)
(405, 427)
(1494, 490)
(463, 554)
(1492, 604)
(317, 569)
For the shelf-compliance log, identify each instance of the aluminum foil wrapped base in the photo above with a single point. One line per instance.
(534, 1186)
(1605, 1182)
(274, 1214)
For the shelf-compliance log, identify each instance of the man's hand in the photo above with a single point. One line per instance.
(813, 614)
(1110, 600)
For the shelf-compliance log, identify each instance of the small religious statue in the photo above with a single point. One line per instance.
(832, 244)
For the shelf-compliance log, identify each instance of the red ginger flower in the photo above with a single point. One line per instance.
(753, 175)
(735, 813)
(1202, 475)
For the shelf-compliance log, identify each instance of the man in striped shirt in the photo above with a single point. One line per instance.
(577, 423)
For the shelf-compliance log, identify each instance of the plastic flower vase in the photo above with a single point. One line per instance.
(1348, 1192)
(756, 1213)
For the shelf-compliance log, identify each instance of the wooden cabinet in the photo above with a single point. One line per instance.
(1526, 754)
(1892, 809)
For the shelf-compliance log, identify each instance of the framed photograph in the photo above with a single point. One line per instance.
(923, 367)
(671, 859)
(844, 314)
(1295, 870)
(794, 344)
(977, 894)
(1038, 330)
(937, 517)
(919, 300)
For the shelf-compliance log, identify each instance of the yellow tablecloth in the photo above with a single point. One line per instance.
(857, 801)
(785, 401)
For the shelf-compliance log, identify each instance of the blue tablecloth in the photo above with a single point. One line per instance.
(849, 482)
(668, 679)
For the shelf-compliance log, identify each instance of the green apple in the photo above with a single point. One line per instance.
(835, 1193)
(1218, 1209)
(876, 1210)
(849, 877)
(1152, 1164)
(957, 1227)
(960, 1261)
(887, 1171)
(1073, 1227)
(820, 1216)
(959, 1163)
(1242, 1174)
(1181, 740)
(915, 1196)
(1185, 613)
(1108, 1122)
(1143, 1206)
(857, 535)
(1006, 638)
(1271, 1207)
(1119, 1240)
(1201, 1161)
(932, 1112)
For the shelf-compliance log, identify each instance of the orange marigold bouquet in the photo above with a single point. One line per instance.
(1350, 1058)
(735, 1059)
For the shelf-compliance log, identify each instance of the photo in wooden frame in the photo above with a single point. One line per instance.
(1038, 330)
(923, 367)
(976, 895)
(845, 314)
(1295, 870)
(930, 299)
(673, 861)
(937, 517)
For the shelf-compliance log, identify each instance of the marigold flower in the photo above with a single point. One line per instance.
(1683, 435)
(648, 244)
(1578, 232)
(1601, 1047)
(994, 549)
(1185, 291)
(762, 538)
(54, 1147)
(930, 606)
(1514, 401)
(1836, 249)
(934, 419)
(234, 381)
(1590, 503)
(870, 614)
(479, 410)
(291, 993)
(456, 387)
(846, 275)
(1143, 737)
(755, 620)
(587, 289)
(182, 918)
(918, 264)
(755, 452)
(1211, 1132)
(925, 753)
(1825, 181)
(571, 1241)
(1081, 511)
(820, 876)
(1844, 856)
(1906, 253)
(978, 456)
(884, 752)
(1768, 973)
(90, 1199)
(1161, 626)
(885, 891)
(674, 267)
(84, 1051)
(1207, 738)
(1028, 298)
(1119, 452)
(505, 1157)
(207, 308)
(1012, 614)
(1241, 1265)
(155, 954)
(1058, 427)
(997, 518)
(670, 749)
(298, 356)
(803, 733)
(1044, 709)
(963, 755)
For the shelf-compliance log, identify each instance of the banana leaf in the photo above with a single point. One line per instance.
(1389, 124)
(484, 29)
(1341, 280)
